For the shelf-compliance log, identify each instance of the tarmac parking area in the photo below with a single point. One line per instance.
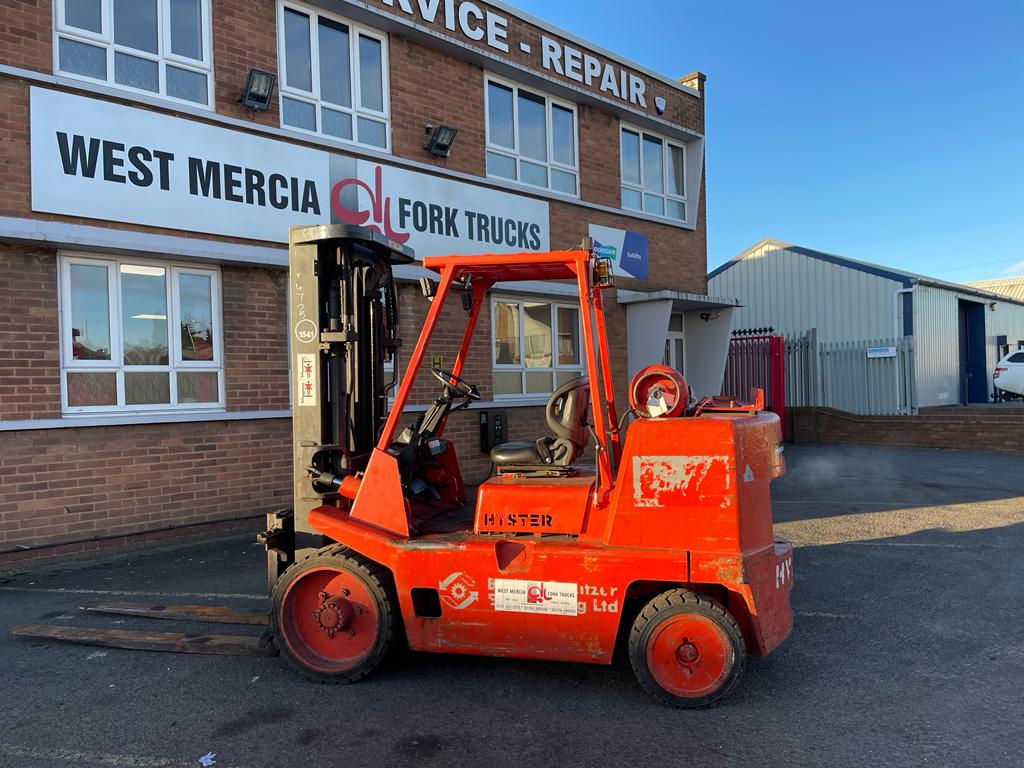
(907, 650)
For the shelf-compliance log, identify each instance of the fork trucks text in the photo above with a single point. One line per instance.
(661, 536)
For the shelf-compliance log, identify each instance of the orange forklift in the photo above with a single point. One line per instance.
(657, 533)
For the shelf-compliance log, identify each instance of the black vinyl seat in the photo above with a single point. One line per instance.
(566, 414)
(516, 452)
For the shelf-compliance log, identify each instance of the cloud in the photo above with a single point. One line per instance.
(1014, 269)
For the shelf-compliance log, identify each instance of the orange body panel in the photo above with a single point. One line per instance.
(690, 507)
(533, 504)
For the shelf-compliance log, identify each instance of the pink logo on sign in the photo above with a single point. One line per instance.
(380, 207)
(537, 594)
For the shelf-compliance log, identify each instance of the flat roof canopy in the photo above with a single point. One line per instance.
(508, 267)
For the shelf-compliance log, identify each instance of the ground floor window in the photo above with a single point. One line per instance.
(139, 335)
(536, 346)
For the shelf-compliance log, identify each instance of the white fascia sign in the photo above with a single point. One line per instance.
(482, 25)
(435, 216)
(112, 162)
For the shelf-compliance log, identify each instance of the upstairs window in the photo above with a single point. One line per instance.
(653, 174)
(536, 346)
(160, 47)
(139, 335)
(333, 77)
(531, 138)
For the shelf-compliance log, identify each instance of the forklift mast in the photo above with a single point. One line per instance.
(343, 329)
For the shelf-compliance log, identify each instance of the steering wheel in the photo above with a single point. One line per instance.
(457, 383)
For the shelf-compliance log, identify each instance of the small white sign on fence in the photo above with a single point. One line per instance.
(874, 352)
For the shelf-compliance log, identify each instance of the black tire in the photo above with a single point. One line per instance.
(708, 616)
(375, 579)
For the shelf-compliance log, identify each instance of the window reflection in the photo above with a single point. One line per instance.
(537, 335)
(297, 50)
(506, 334)
(532, 130)
(144, 315)
(499, 115)
(90, 313)
(335, 77)
(371, 78)
(195, 294)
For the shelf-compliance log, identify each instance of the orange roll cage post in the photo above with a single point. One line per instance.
(480, 273)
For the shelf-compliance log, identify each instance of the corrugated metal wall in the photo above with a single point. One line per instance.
(793, 293)
(937, 344)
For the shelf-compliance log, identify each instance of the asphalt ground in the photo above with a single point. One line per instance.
(907, 650)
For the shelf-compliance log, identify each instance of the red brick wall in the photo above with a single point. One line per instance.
(244, 38)
(255, 339)
(29, 347)
(957, 430)
(26, 34)
(64, 484)
(451, 93)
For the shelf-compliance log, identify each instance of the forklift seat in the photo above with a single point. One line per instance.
(566, 414)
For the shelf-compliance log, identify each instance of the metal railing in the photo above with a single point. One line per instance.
(869, 377)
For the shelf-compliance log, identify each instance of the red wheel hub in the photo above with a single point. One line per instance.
(329, 619)
(690, 656)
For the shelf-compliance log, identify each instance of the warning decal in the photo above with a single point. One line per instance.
(305, 378)
(535, 597)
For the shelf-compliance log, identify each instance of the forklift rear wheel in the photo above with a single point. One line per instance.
(686, 649)
(333, 616)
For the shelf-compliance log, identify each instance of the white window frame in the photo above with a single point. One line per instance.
(514, 154)
(163, 56)
(116, 364)
(666, 164)
(313, 97)
(555, 368)
(671, 337)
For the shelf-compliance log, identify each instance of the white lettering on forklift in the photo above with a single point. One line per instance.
(783, 572)
(457, 590)
(602, 599)
(522, 596)
(305, 378)
(305, 330)
(661, 481)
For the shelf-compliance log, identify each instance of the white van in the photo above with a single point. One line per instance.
(1009, 375)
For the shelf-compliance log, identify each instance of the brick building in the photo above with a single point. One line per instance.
(144, 366)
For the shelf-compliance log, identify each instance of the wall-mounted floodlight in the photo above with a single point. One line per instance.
(441, 140)
(258, 88)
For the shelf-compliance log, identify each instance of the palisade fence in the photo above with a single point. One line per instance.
(841, 375)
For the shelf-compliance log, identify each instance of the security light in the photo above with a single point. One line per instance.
(441, 140)
(258, 88)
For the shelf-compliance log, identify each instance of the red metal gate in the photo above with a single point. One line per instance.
(757, 362)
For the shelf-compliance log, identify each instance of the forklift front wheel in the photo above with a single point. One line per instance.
(686, 649)
(333, 617)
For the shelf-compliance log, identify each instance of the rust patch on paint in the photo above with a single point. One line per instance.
(661, 481)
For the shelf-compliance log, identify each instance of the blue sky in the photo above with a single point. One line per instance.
(890, 132)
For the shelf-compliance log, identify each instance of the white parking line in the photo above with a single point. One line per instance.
(135, 593)
(894, 504)
(76, 757)
(908, 544)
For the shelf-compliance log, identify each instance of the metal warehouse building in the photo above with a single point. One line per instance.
(154, 154)
(884, 340)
